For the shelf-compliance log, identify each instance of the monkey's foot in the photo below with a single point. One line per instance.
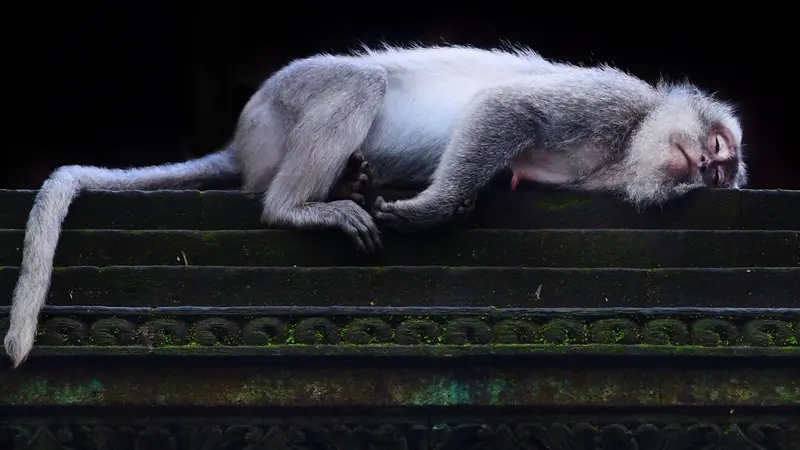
(354, 182)
(414, 214)
(466, 208)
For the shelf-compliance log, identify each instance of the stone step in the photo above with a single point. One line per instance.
(154, 286)
(528, 208)
(525, 248)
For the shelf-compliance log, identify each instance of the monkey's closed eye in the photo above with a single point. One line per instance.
(716, 145)
(716, 176)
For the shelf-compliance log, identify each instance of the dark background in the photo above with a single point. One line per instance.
(137, 83)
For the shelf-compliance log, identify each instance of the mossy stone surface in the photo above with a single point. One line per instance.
(205, 383)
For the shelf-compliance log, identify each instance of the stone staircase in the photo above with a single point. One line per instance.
(553, 320)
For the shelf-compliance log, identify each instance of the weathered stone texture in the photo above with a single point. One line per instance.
(551, 320)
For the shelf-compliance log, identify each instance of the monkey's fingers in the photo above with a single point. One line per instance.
(385, 214)
(354, 161)
(466, 207)
(375, 235)
(361, 228)
(372, 237)
(358, 198)
(365, 168)
(380, 203)
(355, 236)
(367, 239)
(356, 158)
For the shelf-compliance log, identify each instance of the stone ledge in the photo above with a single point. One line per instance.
(524, 248)
(535, 208)
(418, 286)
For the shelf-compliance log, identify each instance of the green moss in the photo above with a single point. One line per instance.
(788, 395)
(562, 202)
(33, 391)
(209, 237)
(290, 329)
(442, 392)
(497, 385)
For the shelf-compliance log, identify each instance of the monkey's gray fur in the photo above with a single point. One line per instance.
(449, 117)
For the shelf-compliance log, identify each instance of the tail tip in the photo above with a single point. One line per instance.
(18, 345)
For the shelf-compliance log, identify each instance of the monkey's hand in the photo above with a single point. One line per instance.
(346, 215)
(465, 208)
(417, 213)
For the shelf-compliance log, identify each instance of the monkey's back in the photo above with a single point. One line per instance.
(428, 90)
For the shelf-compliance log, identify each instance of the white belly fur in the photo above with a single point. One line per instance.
(556, 167)
(420, 114)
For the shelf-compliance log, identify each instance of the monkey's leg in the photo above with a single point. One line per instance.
(335, 103)
(497, 126)
(355, 182)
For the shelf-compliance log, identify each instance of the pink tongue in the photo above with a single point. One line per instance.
(514, 182)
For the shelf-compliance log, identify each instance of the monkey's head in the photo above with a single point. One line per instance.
(689, 140)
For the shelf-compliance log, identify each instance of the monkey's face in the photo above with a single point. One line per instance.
(711, 159)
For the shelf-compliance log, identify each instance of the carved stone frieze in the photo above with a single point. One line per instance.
(269, 330)
(448, 436)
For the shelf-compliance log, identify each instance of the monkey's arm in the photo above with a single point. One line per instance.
(499, 124)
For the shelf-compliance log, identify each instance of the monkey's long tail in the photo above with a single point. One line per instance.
(50, 208)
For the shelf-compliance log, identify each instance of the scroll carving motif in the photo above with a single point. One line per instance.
(315, 331)
(264, 331)
(217, 331)
(515, 332)
(417, 331)
(408, 331)
(715, 332)
(615, 331)
(368, 331)
(113, 332)
(666, 332)
(766, 333)
(467, 331)
(564, 332)
(161, 332)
